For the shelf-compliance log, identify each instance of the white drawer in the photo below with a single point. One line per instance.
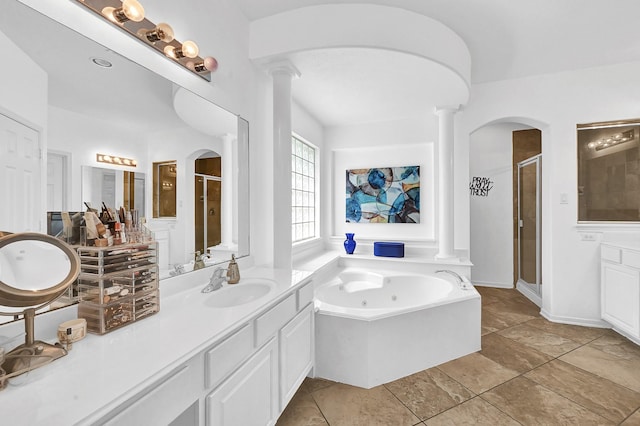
(270, 322)
(612, 254)
(305, 295)
(631, 258)
(220, 361)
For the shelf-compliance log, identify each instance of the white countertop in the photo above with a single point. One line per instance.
(101, 372)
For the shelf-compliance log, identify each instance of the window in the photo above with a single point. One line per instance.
(609, 171)
(303, 190)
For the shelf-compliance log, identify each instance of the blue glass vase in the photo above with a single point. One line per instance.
(349, 243)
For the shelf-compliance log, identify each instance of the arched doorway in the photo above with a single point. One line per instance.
(505, 207)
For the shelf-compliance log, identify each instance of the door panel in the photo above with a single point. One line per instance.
(20, 183)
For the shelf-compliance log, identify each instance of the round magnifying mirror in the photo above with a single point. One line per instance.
(35, 269)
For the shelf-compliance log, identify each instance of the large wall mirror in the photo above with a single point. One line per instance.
(74, 98)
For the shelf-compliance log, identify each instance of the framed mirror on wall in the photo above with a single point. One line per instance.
(609, 171)
(68, 83)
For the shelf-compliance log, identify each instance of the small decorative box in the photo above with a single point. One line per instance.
(388, 249)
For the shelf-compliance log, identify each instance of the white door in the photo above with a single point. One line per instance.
(20, 183)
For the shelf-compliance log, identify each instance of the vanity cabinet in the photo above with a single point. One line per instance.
(296, 353)
(280, 358)
(174, 396)
(620, 288)
(250, 395)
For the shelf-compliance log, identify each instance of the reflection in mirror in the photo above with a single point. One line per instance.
(53, 90)
(164, 189)
(116, 188)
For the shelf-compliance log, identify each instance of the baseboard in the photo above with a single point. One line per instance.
(575, 321)
(491, 284)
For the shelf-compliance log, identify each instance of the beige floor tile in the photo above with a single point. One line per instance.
(632, 420)
(505, 316)
(429, 392)
(313, 384)
(512, 354)
(477, 372)
(595, 393)
(576, 333)
(302, 411)
(548, 343)
(532, 404)
(473, 412)
(623, 371)
(344, 405)
(615, 344)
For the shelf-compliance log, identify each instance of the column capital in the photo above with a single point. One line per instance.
(283, 66)
(442, 109)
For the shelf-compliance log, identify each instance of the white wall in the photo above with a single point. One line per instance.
(555, 103)
(491, 216)
(398, 143)
(23, 86)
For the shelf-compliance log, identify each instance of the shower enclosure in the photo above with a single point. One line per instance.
(529, 235)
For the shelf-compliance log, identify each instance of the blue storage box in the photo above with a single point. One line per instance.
(387, 249)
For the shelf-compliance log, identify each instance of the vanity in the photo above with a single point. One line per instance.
(193, 363)
(620, 287)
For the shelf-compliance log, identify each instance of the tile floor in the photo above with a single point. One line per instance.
(530, 371)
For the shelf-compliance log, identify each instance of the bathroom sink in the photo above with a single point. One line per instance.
(247, 290)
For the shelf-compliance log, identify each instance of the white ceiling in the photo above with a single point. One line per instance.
(507, 39)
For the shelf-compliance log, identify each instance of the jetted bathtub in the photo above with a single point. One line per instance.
(373, 327)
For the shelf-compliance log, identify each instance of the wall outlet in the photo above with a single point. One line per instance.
(588, 236)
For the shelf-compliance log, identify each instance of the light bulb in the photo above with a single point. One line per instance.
(190, 49)
(208, 64)
(131, 10)
(162, 32)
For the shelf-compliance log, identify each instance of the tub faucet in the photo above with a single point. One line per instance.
(463, 283)
(216, 280)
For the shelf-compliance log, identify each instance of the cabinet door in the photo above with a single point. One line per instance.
(296, 353)
(621, 297)
(249, 397)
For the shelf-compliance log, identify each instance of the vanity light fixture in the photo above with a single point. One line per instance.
(116, 160)
(128, 15)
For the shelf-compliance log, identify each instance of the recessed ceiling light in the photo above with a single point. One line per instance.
(101, 62)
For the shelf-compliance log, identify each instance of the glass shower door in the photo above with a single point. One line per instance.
(529, 224)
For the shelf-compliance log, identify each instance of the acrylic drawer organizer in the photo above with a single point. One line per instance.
(117, 285)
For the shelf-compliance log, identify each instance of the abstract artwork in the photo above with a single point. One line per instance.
(383, 195)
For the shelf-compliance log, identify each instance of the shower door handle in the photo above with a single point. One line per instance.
(521, 223)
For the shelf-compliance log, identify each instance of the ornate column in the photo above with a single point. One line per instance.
(283, 74)
(445, 181)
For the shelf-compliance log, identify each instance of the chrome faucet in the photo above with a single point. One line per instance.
(463, 283)
(216, 280)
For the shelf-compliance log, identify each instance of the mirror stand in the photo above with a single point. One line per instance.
(33, 353)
